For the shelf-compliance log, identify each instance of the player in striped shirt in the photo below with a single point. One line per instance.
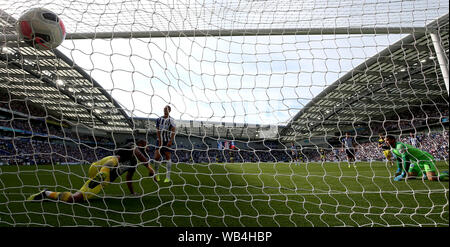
(350, 150)
(294, 152)
(165, 133)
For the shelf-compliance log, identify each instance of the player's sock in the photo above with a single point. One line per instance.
(52, 195)
(156, 166)
(62, 196)
(156, 169)
(38, 196)
(169, 169)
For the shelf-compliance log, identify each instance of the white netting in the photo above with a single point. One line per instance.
(245, 80)
(126, 16)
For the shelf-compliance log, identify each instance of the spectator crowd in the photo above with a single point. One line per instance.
(435, 143)
(35, 140)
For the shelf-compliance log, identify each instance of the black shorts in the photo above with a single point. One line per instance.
(350, 153)
(294, 155)
(163, 148)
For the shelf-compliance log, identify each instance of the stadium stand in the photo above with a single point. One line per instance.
(26, 137)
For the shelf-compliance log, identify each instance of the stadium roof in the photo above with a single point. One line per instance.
(51, 79)
(406, 73)
(219, 130)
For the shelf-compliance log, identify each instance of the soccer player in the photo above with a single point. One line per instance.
(294, 153)
(322, 155)
(102, 172)
(165, 133)
(231, 151)
(350, 150)
(385, 149)
(336, 154)
(413, 140)
(301, 158)
(421, 163)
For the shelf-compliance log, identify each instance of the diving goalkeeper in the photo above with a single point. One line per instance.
(421, 163)
(103, 172)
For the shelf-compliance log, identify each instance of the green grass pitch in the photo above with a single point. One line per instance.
(249, 194)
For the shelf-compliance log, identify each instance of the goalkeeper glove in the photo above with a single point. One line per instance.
(398, 172)
(399, 177)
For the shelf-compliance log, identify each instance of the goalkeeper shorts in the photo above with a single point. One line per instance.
(422, 167)
(99, 176)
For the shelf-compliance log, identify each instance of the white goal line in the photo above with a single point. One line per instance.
(155, 194)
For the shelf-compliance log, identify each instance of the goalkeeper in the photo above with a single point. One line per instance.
(421, 163)
(103, 172)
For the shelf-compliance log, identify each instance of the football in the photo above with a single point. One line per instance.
(41, 29)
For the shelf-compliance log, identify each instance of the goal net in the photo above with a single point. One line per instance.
(278, 109)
